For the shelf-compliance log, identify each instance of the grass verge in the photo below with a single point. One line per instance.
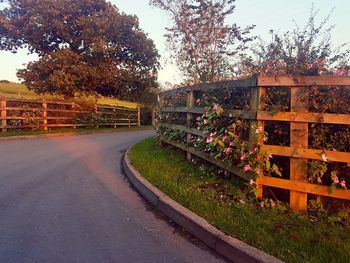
(289, 236)
(56, 131)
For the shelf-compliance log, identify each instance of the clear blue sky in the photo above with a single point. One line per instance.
(265, 14)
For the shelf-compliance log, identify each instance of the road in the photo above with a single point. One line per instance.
(66, 200)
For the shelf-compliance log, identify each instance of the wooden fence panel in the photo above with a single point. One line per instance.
(299, 118)
(61, 114)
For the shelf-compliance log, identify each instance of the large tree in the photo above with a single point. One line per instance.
(202, 42)
(83, 46)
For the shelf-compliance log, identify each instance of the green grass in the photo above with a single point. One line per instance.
(289, 236)
(12, 90)
(80, 130)
(20, 91)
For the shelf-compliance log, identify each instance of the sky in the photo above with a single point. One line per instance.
(265, 14)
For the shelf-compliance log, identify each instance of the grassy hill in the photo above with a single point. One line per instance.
(20, 91)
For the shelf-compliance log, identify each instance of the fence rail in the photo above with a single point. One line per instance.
(298, 117)
(18, 114)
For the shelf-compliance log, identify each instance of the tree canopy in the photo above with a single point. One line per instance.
(307, 50)
(83, 46)
(203, 44)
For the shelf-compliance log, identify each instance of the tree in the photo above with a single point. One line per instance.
(83, 46)
(302, 51)
(202, 43)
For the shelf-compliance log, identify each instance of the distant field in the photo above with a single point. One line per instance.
(20, 91)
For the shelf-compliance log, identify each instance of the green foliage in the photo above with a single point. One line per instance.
(223, 140)
(84, 46)
(304, 50)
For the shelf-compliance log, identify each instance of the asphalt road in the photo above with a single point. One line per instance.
(66, 200)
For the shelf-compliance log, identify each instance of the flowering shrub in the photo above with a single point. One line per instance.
(223, 140)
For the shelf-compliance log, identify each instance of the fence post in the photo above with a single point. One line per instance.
(189, 117)
(45, 115)
(3, 115)
(97, 118)
(138, 117)
(161, 104)
(154, 117)
(257, 102)
(298, 138)
(74, 115)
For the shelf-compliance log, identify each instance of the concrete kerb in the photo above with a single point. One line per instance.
(230, 247)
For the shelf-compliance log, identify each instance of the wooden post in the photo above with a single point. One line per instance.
(138, 117)
(189, 117)
(97, 118)
(45, 115)
(154, 117)
(256, 132)
(161, 104)
(114, 117)
(3, 115)
(74, 115)
(298, 138)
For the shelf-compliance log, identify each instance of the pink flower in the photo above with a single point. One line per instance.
(270, 155)
(224, 138)
(319, 180)
(258, 171)
(242, 157)
(251, 182)
(336, 180)
(262, 204)
(210, 139)
(343, 184)
(205, 122)
(231, 144)
(228, 150)
(247, 168)
(216, 107)
(324, 157)
(198, 101)
(212, 134)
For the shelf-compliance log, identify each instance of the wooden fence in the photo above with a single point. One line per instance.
(298, 116)
(19, 114)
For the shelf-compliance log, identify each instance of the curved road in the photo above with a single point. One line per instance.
(66, 200)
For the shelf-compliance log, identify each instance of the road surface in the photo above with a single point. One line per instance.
(66, 200)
